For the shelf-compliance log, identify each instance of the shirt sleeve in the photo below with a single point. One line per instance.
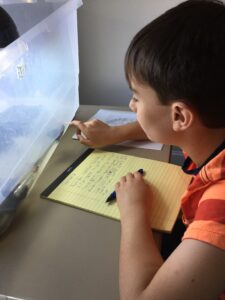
(209, 221)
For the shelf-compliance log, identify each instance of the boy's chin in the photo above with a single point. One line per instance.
(153, 139)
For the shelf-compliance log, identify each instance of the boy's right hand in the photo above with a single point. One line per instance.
(134, 197)
(93, 133)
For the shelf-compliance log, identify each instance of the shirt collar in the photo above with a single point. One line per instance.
(194, 171)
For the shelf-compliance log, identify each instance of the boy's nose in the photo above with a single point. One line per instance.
(132, 105)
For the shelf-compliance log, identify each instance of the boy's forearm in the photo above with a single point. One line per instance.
(139, 258)
(130, 131)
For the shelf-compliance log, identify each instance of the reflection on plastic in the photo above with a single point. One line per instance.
(17, 2)
(4, 297)
(27, 1)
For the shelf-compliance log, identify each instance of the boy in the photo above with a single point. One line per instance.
(175, 68)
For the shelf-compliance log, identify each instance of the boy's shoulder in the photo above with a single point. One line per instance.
(214, 170)
(203, 204)
(210, 180)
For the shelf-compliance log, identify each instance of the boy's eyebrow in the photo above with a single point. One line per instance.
(133, 89)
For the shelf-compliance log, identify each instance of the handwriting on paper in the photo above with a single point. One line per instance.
(96, 176)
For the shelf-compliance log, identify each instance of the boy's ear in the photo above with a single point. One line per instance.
(182, 116)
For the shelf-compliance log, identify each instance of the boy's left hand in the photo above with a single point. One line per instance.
(133, 195)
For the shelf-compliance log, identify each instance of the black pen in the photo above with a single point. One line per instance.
(112, 196)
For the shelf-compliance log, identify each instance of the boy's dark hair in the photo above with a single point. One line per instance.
(181, 55)
(8, 30)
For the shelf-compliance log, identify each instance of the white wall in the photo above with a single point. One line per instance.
(105, 29)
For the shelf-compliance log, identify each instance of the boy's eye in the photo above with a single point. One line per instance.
(134, 99)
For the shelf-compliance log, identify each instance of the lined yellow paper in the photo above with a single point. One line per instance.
(89, 185)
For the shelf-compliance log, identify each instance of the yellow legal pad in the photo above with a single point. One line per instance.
(89, 184)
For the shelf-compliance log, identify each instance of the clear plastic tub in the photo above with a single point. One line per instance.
(38, 97)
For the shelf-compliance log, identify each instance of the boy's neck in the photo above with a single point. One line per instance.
(203, 143)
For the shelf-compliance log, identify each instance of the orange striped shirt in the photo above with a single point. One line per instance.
(203, 204)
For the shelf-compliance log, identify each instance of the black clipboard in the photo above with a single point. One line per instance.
(61, 177)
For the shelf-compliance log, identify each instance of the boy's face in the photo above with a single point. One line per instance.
(154, 118)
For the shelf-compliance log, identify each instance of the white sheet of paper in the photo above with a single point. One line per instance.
(118, 117)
